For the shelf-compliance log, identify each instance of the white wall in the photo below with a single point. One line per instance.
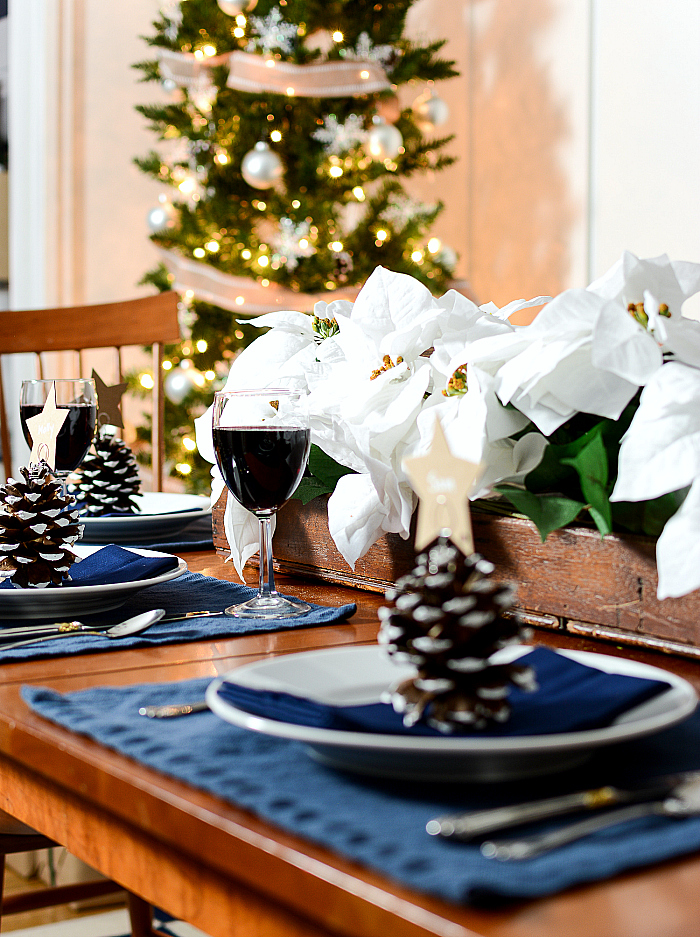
(646, 80)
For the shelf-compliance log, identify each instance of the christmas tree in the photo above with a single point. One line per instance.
(285, 146)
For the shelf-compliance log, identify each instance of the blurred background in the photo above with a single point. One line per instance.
(576, 122)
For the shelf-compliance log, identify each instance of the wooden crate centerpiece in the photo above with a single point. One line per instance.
(574, 581)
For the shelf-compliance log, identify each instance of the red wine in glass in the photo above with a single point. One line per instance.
(262, 440)
(74, 437)
(261, 467)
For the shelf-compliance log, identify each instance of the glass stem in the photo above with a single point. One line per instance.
(267, 575)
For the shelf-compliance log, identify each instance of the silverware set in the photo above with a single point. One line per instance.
(31, 634)
(14, 637)
(671, 796)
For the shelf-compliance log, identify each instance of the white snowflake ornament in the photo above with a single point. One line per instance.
(340, 138)
(366, 51)
(292, 242)
(272, 33)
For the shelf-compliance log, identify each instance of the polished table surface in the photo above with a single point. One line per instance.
(220, 868)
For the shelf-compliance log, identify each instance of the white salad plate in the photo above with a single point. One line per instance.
(162, 515)
(55, 604)
(358, 675)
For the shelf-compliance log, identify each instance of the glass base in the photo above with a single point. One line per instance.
(269, 606)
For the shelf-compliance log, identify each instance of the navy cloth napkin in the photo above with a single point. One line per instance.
(571, 698)
(188, 593)
(112, 564)
(381, 823)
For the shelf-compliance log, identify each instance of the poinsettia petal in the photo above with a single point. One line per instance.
(678, 549)
(623, 347)
(660, 452)
(682, 339)
(355, 514)
(242, 531)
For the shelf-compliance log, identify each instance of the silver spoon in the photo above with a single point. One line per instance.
(122, 630)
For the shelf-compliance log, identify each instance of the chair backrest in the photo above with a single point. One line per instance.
(150, 320)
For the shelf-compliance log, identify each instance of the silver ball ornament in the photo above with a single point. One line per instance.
(447, 256)
(261, 166)
(161, 218)
(234, 7)
(384, 141)
(179, 383)
(430, 111)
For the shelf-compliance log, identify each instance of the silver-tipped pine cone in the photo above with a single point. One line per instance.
(109, 478)
(446, 617)
(37, 528)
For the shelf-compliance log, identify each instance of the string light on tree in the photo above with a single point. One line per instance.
(261, 166)
(181, 380)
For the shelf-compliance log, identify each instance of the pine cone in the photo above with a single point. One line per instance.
(37, 529)
(447, 619)
(109, 478)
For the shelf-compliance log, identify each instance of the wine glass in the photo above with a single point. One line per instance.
(262, 442)
(79, 397)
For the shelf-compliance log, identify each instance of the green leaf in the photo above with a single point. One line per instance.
(555, 472)
(310, 488)
(647, 517)
(547, 512)
(591, 464)
(326, 469)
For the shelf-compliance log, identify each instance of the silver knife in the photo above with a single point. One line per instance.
(60, 627)
(468, 826)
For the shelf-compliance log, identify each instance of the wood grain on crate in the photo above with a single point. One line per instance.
(575, 580)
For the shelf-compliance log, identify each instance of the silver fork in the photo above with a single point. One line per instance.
(684, 802)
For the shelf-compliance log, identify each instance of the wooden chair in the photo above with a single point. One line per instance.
(150, 320)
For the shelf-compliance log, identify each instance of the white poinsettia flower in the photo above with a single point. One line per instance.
(366, 392)
(545, 368)
(643, 321)
(477, 428)
(678, 549)
(671, 282)
(660, 452)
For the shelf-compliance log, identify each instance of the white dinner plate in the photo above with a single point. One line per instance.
(162, 516)
(357, 675)
(59, 603)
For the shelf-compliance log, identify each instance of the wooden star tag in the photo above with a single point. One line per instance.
(109, 401)
(44, 428)
(443, 484)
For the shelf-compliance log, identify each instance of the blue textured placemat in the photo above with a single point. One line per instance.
(378, 823)
(190, 592)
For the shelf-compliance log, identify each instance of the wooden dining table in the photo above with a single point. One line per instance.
(227, 872)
